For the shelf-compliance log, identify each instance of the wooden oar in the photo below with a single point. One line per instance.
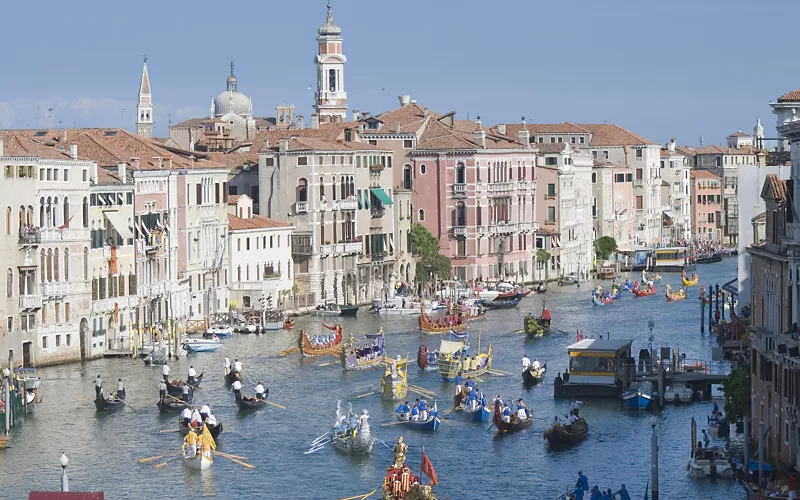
(395, 423)
(150, 459)
(162, 464)
(244, 464)
(422, 389)
(229, 455)
(326, 364)
(363, 395)
(518, 332)
(239, 433)
(276, 404)
(287, 351)
(362, 497)
(126, 404)
(321, 437)
(168, 430)
(179, 400)
(499, 371)
(369, 494)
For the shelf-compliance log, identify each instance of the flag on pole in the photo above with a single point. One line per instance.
(66, 224)
(428, 470)
(579, 335)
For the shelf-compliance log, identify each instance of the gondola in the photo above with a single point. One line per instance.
(199, 462)
(562, 435)
(515, 425)
(166, 405)
(111, 403)
(176, 386)
(709, 259)
(232, 377)
(215, 430)
(355, 356)
(530, 377)
(246, 403)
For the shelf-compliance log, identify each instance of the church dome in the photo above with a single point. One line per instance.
(329, 28)
(231, 101)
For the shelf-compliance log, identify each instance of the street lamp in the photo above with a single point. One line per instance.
(64, 479)
(654, 457)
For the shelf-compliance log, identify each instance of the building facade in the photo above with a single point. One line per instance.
(708, 219)
(675, 168)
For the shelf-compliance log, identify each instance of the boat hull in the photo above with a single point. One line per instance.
(245, 404)
(202, 346)
(529, 378)
(176, 390)
(480, 414)
(360, 444)
(199, 462)
(512, 427)
(567, 435)
(636, 401)
(430, 425)
(450, 367)
(103, 404)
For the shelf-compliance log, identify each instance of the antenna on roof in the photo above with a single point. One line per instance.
(701, 141)
(37, 117)
(49, 117)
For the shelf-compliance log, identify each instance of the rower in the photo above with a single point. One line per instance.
(227, 365)
(237, 389)
(583, 482)
(190, 379)
(98, 387)
(120, 390)
(190, 444)
(469, 383)
(205, 411)
(423, 409)
(536, 365)
(506, 414)
(595, 493)
(237, 366)
(165, 372)
(575, 407)
(197, 420)
(459, 380)
(525, 362)
(186, 390)
(415, 413)
(406, 411)
(472, 398)
(571, 419)
(523, 412)
(623, 493)
(260, 390)
(186, 416)
(162, 390)
(211, 421)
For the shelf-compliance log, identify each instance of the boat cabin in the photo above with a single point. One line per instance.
(595, 368)
(672, 259)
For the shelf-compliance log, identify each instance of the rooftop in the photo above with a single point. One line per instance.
(703, 174)
(724, 150)
(613, 135)
(793, 96)
(254, 222)
(600, 345)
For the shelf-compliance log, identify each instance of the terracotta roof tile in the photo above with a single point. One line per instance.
(739, 134)
(438, 136)
(793, 96)
(15, 144)
(607, 134)
(232, 199)
(778, 187)
(686, 151)
(405, 120)
(724, 150)
(703, 174)
(254, 222)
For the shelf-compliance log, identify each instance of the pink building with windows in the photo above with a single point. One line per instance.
(474, 190)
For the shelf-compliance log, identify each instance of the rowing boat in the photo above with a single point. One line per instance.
(111, 403)
(533, 377)
(560, 435)
(200, 461)
(314, 350)
(176, 386)
(394, 384)
(368, 354)
(165, 406)
(246, 403)
(515, 425)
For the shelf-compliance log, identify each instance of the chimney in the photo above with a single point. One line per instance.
(1, 147)
(168, 162)
(191, 161)
(62, 136)
(627, 150)
(121, 171)
(157, 161)
(266, 144)
(284, 145)
(73, 150)
(524, 137)
(502, 129)
(404, 100)
(671, 146)
(314, 120)
(356, 115)
(761, 155)
(299, 121)
(135, 163)
(479, 135)
(93, 173)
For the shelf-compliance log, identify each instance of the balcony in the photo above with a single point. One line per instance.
(55, 234)
(301, 207)
(503, 229)
(347, 204)
(501, 188)
(459, 190)
(460, 231)
(481, 230)
(56, 288)
(729, 191)
(637, 183)
(301, 245)
(30, 236)
(377, 212)
(525, 227)
(150, 291)
(348, 248)
(325, 249)
(30, 302)
(376, 169)
(208, 211)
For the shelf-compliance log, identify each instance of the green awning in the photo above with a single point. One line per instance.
(366, 199)
(359, 199)
(382, 196)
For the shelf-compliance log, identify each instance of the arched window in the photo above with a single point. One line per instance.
(86, 213)
(56, 267)
(461, 214)
(352, 190)
(302, 190)
(333, 188)
(43, 265)
(8, 221)
(594, 177)
(66, 264)
(344, 188)
(239, 273)
(321, 189)
(9, 283)
(270, 241)
(85, 263)
(461, 174)
(50, 265)
(422, 169)
(408, 174)
(30, 215)
(421, 215)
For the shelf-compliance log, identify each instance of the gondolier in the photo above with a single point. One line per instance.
(162, 390)
(186, 416)
(186, 390)
(575, 407)
(260, 390)
(227, 365)
(98, 387)
(205, 411)
(237, 366)
(165, 372)
(120, 389)
(191, 375)
(237, 389)
(525, 362)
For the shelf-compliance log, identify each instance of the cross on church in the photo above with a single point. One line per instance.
(232, 65)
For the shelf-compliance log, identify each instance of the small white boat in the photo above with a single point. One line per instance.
(678, 393)
(221, 330)
(488, 294)
(711, 463)
(202, 345)
(397, 306)
(199, 461)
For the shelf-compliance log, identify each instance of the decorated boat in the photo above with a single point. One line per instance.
(428, 360)
(643, 292)
(616, 294)
(400, 483)
(537, 327)
(321, 345)
(288, 324)
(110, 403)
(514, 425)
(202, 345)
(689, 282)
(452, 360)
(428, 325)
(674, 296)
(565, 435)
(221, 330)
(638, 398)
(176, 386)
(627, 286)
(599, 300)
(359, 356)
(531, 376)
(394, 384)
(350, 433)
(431, 423)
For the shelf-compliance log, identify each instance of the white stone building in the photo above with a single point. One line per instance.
(676, 198)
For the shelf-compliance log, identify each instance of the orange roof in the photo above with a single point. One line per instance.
(19, 145)
(793, 96)
(254, 222)
(704, 174)
(724, 150)
(232, 199)
(609, 134)
(778, 187)
(405, 120)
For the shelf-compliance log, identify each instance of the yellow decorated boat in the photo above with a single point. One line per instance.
(693, 281)
(394, 384)
(452, 361)
(321, 345)
(673, 296)
(428, 325)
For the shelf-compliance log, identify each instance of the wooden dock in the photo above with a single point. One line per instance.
(117, 353)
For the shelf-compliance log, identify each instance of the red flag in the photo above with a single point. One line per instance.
(578, 335)
(428, 470)
(66, 224)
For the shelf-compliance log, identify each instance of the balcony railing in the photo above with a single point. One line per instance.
(56, 288)
(637, 183)
(481, 230)
(501, 188)
(347, 204)
(460, 231)
(325, 249)
(459, 190)
(525, 226)
(66, 234)
(347, 248)
(30, 236)
(377, 211)
(729, 191)
(301, 207)
(503, 229)
(30, 301)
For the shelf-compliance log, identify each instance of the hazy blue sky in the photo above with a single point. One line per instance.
(678, 68)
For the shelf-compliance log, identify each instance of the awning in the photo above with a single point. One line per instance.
(120, 224)
(382, 196)
(450, 347)
(732, 286)
(360, 205)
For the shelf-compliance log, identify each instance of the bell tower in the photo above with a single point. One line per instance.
(144, 110)
(331, 99)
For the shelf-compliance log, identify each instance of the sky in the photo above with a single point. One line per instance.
(684, 68)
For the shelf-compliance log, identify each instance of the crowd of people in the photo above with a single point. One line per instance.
(512, 413)
(581, 491)
(323, 340)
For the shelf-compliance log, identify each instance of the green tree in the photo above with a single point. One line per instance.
(544, 256)
(605, 246)
(431, 263)
(737, 394)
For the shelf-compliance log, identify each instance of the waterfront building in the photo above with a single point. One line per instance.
(46, 189)
(613, 204)
(726, 162)
(707, 216)
(259, 257)
(785, 109)
(675, 195)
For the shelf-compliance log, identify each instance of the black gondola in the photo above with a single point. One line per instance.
(248, 403)
(213, 429)
(177, 389)
(530, 379)
(231, 377)
(109, 404)
(167, 405)
(515, 425)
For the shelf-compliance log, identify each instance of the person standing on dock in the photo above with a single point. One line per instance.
(165, 372)
(162, 390)
(120, 390)
(190, 378)
(98, 387)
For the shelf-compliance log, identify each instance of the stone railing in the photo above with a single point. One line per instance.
(301, 207)
(30, 301)
(460, 231)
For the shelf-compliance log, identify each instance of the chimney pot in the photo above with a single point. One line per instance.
(73, 150)
(502, 129)
(480, 137)
(404, 100)
(168, 162)
(121, 171)
(299, 121)
(314, 120)
(157, 161)
(62, 136)
(266, 143)
(284, 145)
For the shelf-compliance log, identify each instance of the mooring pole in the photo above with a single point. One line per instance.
(702, 314)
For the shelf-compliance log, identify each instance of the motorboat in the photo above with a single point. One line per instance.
(718, 426)
(221, 330)
(397, 306)
(334, 309)
(202, 345)
(638, 398)
(710, 463)
(156, 357)
(678, 393)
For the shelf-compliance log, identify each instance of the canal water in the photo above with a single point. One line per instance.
(470, 461)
